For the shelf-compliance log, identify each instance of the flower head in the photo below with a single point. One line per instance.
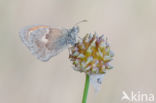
(91, 55)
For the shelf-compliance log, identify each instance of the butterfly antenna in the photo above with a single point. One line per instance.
(81, 22)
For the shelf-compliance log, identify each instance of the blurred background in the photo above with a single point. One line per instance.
(130, 26)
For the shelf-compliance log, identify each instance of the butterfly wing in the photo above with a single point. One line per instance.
(44, 42)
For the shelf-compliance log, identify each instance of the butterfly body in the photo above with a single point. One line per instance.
(45, 42)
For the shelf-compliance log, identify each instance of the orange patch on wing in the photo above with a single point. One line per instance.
(37, 27)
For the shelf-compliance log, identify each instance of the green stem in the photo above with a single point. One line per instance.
(85, 92)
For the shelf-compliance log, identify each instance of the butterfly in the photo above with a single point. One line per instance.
(44, 42)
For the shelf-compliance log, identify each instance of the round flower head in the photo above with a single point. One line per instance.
(92, 55)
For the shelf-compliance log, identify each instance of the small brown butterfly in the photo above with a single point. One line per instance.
(45, 42)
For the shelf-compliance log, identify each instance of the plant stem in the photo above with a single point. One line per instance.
(85, 92)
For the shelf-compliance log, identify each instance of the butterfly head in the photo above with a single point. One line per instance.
(72, 35)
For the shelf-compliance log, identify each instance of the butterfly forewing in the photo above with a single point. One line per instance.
(43, 41)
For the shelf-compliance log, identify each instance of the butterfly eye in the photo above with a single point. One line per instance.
(75, 29)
